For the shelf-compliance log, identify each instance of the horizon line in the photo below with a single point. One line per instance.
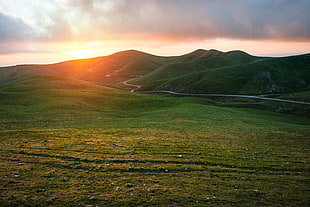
(159, 55)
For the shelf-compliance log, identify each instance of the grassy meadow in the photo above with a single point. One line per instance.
(65, 142)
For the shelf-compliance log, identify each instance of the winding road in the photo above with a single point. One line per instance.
(208, 95)
(131, 85)
(225, 95)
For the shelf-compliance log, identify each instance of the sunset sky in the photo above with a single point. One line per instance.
(47, 31)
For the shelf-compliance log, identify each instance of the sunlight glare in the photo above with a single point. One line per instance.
(82, 53)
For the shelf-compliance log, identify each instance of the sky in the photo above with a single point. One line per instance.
(48, 31)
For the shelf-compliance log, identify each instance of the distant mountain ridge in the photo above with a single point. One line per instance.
(201, 71)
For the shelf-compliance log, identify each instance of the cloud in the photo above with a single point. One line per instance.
(18, 47)
(14, 33)
(199, 19)
(178, 20)
(13, 29)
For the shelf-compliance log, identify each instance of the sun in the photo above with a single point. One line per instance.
(81, 53)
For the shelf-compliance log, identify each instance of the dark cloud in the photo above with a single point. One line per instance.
(13, 29)
(198, 19)
(239, 19)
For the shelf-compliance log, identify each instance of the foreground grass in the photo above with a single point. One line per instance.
(79, 146)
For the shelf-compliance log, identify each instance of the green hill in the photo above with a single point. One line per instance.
(274, 75)
(127, 63)
(201, 71)
(195, 62)
(232, 73)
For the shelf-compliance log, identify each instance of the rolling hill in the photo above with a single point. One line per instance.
(201, 71)
(93, 69)
(232, 73)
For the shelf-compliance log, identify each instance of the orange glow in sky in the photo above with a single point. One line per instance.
(67, 51)
(36, 31)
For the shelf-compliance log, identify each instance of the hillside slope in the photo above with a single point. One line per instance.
(127, 63)
(233, 73)
(197, 61)
(201, 71)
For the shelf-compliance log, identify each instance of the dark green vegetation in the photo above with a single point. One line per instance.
(232, 73)
(67, 139)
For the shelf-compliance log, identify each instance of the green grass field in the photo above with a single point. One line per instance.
(65, 142)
